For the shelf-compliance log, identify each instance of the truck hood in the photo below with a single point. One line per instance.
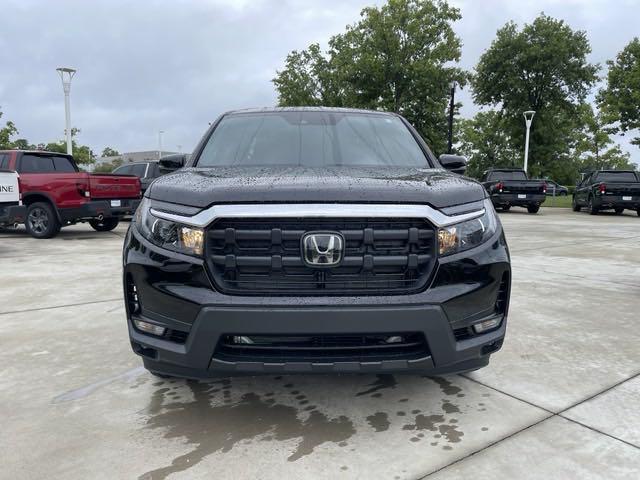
(200, 187)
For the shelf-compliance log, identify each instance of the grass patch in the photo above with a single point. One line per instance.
(563, 201)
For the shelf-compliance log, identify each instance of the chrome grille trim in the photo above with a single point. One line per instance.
(317, 210)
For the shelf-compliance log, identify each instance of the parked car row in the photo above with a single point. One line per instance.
(601, 190)
(46, 191)
(54, 193)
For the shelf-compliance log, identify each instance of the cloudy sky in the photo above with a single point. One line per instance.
(145, 66)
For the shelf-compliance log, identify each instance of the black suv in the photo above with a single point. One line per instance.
(303, 240)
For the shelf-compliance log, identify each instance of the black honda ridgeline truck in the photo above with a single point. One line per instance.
(306, 240)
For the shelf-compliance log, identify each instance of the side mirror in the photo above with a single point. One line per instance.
(171, 163)
(453, 163)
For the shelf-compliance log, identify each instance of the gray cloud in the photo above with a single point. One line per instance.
(151, 65)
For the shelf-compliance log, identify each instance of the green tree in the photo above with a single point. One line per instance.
(620, 100)
(23, 144)
(483, 140)
(542, 67)
(109, 152)
(6, 133)
(108, 167)
(308, 79)
(594, 148)
(82, 154)
(398, 57)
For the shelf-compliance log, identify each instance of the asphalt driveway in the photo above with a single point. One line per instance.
(561, 400)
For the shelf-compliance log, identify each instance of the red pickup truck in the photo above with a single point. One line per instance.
(57, 194)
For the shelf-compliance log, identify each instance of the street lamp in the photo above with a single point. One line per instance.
(66, 74)
(160, 132)
(451, 105)
(528, 118)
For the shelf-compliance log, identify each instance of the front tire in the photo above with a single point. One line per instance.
(619, 211)
(506, 208)
(42, 220)
(592, 210)
(533, 208)
(104, 225)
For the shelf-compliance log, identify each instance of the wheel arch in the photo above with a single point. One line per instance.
(33, 197)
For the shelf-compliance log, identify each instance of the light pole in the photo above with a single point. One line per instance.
(66, 74)
(528, 118)
(451, 105)
(160, 132)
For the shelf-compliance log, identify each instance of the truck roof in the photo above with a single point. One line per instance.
(37, 152)
(307, 109)
(505, 170)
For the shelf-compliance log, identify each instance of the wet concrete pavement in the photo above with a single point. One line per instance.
(559, 401)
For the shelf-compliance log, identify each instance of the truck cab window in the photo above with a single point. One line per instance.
(36, 164)
(63, 164)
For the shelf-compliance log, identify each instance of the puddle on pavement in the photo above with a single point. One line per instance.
(218, 427)
(379, 421)
(215, 416)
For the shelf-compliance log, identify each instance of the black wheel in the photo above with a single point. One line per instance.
(563, 194)
(619, 211)
(638, 212)
(104, 225)
(42, 221)
(592, 210)
(533, 208)
(506, 208)
(574, 205)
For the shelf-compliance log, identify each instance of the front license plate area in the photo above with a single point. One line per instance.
(627, 199)
(522, 195)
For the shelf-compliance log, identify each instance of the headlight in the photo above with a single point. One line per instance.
(167, 234)
(465, 235)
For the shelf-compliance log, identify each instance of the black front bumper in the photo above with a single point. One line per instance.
(512, 199)
(11, 214)
(174, 291)
(96, 208)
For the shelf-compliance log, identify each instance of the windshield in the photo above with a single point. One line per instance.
(507, 176)
(616, 177)
(312, 139)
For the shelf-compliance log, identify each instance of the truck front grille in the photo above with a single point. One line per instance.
(382, 256)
